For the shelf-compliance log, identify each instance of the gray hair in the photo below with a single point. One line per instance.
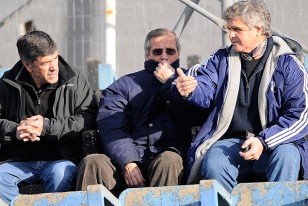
(35, 44)
(159, 32)
(252, 13)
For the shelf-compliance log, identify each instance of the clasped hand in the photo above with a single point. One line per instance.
(30, 129)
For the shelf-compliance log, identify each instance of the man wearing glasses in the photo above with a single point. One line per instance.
(142, 138)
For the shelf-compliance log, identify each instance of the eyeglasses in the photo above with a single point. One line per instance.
(169, 51)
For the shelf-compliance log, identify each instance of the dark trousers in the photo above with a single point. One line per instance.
(166, 169)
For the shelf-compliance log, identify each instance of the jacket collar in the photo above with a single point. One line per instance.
(150, 65)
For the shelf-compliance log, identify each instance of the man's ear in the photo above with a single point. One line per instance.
(27, 66)
(259, 30)
(146, 57)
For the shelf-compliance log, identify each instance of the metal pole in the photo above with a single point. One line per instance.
(218, 21)
(224, 5)
(180, 25)
(110, 34)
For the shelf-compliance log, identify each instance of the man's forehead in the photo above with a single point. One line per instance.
(166, 40)
(236, 22)
(47, 57)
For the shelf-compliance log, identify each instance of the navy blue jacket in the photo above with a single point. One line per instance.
(135, 123)
(282, 101)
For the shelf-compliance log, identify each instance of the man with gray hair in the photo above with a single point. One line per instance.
(44, 105)
(142, 137)
(256, 92)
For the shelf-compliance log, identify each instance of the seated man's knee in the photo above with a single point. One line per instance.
(94, 162)
(213, 162)
(287, 153)
(284, 163)
(98, 169)
(170, 159)
(166, 169)
(286, 156)
(4, 178)
(208, 169)
(60, 177)
(91, 159)
(64, 170)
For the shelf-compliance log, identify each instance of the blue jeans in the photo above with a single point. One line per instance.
(223, 163)
(57, 176)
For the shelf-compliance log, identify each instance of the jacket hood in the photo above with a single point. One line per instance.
(286, 46)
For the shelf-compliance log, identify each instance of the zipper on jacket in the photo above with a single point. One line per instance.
(247, 92)
(38, 94)
(247, 87)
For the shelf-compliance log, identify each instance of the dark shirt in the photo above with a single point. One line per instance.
(39, 102)
(246, 113)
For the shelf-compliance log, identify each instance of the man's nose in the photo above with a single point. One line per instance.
(53, 64)
(231, 35)
(164, 55)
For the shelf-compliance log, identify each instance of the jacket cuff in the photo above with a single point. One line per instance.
(188, 98)
(46, 127)
(266, 148)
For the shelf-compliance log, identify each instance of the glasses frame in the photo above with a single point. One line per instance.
(159, 51)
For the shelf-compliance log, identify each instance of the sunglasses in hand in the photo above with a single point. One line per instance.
(159, 51)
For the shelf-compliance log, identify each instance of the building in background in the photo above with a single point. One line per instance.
(78, 27)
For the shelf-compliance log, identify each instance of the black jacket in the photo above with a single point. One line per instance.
(74, 110)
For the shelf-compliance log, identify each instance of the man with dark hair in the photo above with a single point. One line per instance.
(44, 106)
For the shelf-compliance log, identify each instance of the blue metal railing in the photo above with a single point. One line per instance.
(207, 192)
